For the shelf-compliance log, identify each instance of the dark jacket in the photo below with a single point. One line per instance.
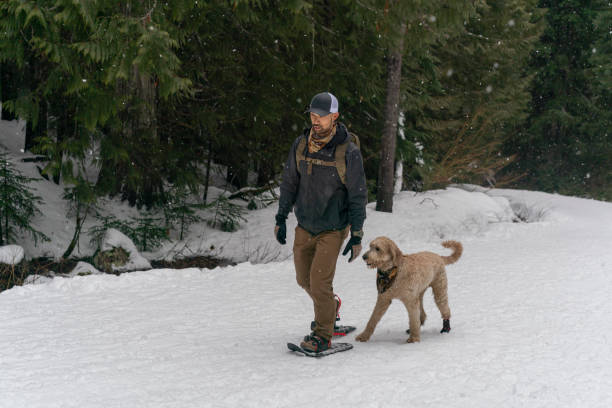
(322, 202)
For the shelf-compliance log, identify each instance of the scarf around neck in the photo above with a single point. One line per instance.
(316, 143)
(384, 280)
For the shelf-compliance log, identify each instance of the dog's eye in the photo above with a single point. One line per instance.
(377, 249)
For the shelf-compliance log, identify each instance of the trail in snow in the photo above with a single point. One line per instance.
(530, 324)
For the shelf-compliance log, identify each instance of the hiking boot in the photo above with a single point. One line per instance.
(313, 324)
(315, 343)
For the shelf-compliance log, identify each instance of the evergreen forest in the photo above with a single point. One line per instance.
(505, 93)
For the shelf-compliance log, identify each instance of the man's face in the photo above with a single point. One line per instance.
(321, 124)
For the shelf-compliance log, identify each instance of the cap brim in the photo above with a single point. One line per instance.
(319, 112)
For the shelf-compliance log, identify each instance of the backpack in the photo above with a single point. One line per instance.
(339, 157)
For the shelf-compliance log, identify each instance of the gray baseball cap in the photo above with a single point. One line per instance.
(323, 104)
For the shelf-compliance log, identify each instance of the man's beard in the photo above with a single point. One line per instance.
(322, 133)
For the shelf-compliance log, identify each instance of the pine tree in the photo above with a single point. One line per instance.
(18, 204)
(421, 26)
(100, 69)
(255, 67)
(468, 93)
(600, 75)
(180, 212)
(561, 147)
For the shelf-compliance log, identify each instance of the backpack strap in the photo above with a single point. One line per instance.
(340, 161)
(339, 157)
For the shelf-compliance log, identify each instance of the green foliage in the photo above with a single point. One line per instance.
(467, 93)
(227, 215)
(146, 232)
(96, 233)
(179, 213)
(566, 144)
(255, 67)
(82, 200)
(163, 89)
(100, 67)
(18, 204)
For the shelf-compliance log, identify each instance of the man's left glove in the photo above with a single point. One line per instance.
(354, 245)
(280, 231)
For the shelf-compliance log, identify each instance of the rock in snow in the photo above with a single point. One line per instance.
(116, 239)
(84, 268)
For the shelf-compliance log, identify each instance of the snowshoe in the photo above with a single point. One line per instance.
(334, 348)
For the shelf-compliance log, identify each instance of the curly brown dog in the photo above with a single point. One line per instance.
(407, 277)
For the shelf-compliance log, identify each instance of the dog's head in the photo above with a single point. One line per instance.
(383, 254)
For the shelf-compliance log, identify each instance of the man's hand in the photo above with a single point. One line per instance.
(353, 245)
(280, 231)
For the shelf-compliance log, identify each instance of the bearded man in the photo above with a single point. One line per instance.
(325, 182)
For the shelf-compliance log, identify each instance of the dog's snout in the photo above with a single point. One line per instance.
(365, 256)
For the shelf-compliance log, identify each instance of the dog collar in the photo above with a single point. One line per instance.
(389, 272)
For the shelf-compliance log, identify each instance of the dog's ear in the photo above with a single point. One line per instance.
(396, 253)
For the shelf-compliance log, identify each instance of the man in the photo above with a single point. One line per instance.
(325, 181)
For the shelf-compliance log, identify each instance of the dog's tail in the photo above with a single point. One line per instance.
(457, 251)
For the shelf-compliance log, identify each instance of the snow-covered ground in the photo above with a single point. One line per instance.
(531, 320)
(58, 224)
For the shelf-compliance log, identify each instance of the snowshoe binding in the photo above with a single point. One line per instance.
(339, 330)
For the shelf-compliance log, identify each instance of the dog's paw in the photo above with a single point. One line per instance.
(363, 337)
(413, 340)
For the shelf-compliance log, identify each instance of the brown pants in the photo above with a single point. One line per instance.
(315, 259)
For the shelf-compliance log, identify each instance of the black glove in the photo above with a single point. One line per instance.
(354, 245)
(280, 232)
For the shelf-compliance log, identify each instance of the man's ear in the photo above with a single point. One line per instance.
(335, 116)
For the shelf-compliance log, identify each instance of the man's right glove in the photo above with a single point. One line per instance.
(280, 231)
(354, 245)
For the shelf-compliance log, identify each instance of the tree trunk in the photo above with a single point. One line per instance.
(66, 128)
(384, 195)
(208, 165)
(77, 233)
(8, 90)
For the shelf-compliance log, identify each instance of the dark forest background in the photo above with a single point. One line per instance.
(512, 93)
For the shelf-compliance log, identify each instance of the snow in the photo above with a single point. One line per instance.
(36, 279)
(12, 134)
(11, 254)
(84, 268)
(530, 325)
